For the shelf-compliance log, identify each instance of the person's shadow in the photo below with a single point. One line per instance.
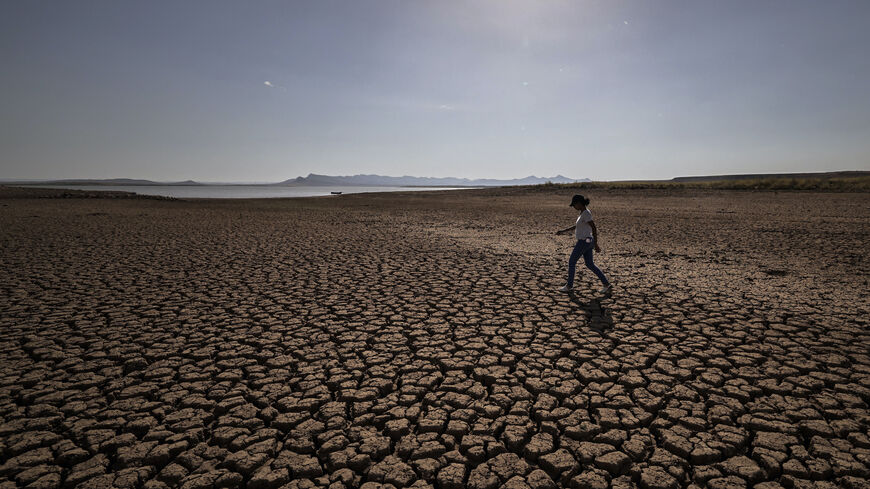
(599, 316)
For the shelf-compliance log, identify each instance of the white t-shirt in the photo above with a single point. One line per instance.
(583, 229)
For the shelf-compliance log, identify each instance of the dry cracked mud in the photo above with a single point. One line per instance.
(417, 340)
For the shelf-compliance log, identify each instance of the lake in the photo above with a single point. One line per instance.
(241, 191)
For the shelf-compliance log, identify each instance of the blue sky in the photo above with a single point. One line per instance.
(606, 90)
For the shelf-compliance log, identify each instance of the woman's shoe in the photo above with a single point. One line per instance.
(566, 288)
(607, 288)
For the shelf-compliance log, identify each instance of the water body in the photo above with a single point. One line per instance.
(241, 191)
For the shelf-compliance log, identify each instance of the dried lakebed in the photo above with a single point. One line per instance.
(410, 340)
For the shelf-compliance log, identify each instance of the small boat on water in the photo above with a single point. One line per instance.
(335, 193)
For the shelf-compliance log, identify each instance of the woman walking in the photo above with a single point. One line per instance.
(586, 235)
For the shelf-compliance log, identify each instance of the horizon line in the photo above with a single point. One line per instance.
(205, 182)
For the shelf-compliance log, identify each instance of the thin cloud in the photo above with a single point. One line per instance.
(272, 85)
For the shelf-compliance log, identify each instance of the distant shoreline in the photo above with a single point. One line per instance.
(844, 181)
(313, 180)
(231, 192)
(859, 184)
(274, 185)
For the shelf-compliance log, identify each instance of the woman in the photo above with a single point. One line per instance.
(586, 235)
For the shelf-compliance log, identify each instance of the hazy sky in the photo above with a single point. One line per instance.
(265, 91)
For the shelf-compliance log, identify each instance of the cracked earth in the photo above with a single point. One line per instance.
(417, 340)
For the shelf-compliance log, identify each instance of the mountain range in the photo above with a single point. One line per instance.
(408, 181)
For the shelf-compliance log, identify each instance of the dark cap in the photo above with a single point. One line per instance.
(578, 199)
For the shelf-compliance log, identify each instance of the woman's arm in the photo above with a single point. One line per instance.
(563, 231)
(595, 235)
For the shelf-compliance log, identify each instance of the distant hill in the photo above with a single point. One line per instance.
(101, 181)
(407, 181)
(825, 175)
(839, 181)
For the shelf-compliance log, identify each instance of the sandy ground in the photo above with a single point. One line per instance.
(399, 340)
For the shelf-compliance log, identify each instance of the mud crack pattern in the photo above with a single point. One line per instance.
(417, 341)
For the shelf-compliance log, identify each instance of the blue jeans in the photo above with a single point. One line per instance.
(584, 247)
